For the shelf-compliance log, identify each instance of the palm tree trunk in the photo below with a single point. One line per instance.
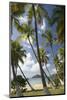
(33, 49)
(18, 92)
(13, 70)
(16, 71)
(11, 21)
(42, 75)
(38, 61)
(14, 75)
(50, 76)
(55, 65)
(49, 79)
(25, 78)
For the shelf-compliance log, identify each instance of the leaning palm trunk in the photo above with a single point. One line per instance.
(32, 49)
(53, 84)
(18, 92)
(48, 79)
(42, 75)
(55, 65)
(25, 78)
(17, 86)
(11, 24)
(14, 73)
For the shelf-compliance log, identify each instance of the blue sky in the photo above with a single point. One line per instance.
(31, 66)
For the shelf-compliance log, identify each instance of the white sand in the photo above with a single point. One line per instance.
(36, 86)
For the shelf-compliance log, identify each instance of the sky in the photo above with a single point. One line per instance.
(31, 66)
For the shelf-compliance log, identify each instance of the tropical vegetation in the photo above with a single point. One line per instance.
(50, 51)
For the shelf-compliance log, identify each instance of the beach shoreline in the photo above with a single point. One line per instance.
(35, 86)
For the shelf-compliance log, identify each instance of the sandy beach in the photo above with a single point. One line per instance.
(35, 86)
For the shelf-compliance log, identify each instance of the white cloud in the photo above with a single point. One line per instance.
(43, 27)
(28, 62)
(51, 69)
(31, 68)
(35, 67)
(29, 56)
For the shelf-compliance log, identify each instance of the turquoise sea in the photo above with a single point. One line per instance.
(34, 81)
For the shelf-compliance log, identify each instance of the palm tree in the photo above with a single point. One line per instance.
(40, 11)
(38, 14)
(16, 55)
(17, 52)
(49, 39)
(58, 19)
(59, 62)
(16, 10)
(59, 68)
(21, 83)
(25, 78)
(26, 33)
(43, 79)
(44, 59)
(37, 44)
(61, 53)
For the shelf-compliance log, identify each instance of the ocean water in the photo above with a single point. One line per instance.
(34, 81)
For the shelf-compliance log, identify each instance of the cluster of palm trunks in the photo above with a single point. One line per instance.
(45, 22)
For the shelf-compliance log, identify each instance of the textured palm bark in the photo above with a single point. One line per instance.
(42, 75)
